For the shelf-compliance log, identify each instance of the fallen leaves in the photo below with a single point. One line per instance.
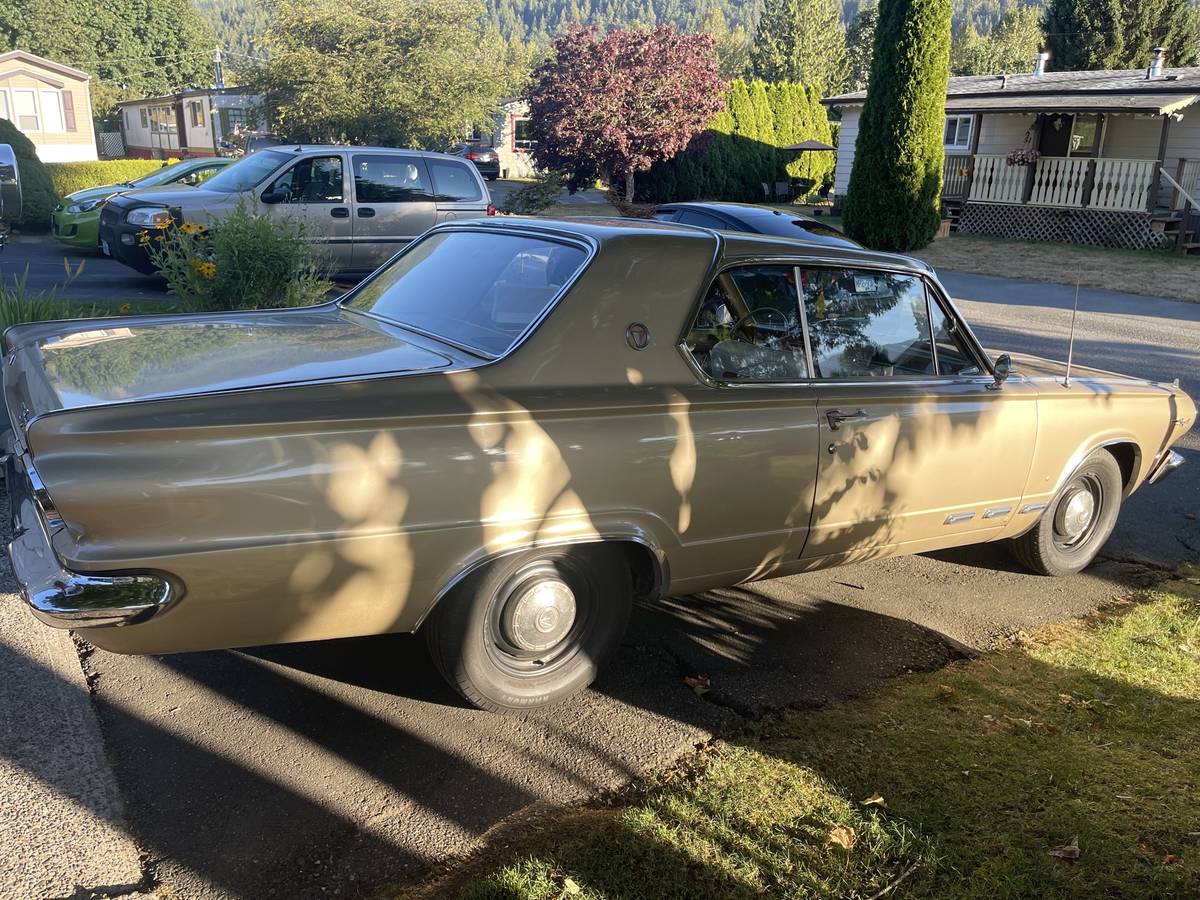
(944, 691)
(875, 799)
(842, 836)
(1067, 851)
(698, 683)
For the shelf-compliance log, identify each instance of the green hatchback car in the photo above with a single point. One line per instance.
(76, 220)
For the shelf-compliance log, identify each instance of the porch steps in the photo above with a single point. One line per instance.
(952, 212)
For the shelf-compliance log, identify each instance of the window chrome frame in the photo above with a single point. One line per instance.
(929, 282)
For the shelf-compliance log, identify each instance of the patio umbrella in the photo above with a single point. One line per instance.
(809, 145)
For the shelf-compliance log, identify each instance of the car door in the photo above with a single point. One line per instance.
(751, 460)
(460, 192)
(918, 447)
(312, 191)
(393, 203)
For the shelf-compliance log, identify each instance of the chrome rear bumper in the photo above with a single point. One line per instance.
(1168, 463)
(58, 596)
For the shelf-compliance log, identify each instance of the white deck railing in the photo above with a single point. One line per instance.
(995, 181)
(1189, 177)
(1078, 182)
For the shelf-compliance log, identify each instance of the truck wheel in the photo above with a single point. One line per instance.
(533, 628)
(1077, 522)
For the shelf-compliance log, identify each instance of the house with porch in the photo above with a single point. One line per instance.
(195, 122)
(1108, 158)
(50, 103)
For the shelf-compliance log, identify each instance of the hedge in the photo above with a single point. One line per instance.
(37, 190)
(77, 176)
(739, 150)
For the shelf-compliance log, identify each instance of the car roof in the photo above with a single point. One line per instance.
(287, 146)
(733, 245)
(737, 210)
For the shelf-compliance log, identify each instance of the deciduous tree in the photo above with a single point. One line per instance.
(610, 105)
(398, 72)
(893, 199)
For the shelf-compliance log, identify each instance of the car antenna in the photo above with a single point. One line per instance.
(1071, 342)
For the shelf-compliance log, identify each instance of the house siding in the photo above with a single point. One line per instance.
(1001, 133)
(847, 139)
(1131, 137)
(77, 145)
(1183, 142)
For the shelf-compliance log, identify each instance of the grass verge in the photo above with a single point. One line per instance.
(1156, 273)
(978, 781)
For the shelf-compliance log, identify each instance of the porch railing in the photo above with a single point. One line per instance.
(1121, 185)
(1188, 175)
(956, 175)
(995, 181)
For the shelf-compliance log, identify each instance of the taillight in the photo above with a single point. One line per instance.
(473, 156)
(491, 210)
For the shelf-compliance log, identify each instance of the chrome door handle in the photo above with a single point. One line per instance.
(836, 417)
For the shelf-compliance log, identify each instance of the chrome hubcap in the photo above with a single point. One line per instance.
(1075, 514)
(540, 616)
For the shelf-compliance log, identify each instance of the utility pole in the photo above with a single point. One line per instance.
(218, 70)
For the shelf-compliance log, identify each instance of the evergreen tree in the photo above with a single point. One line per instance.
(1012, 45)
(892, 202)
(860, 40)
(1171, 24)
(1084, 34)
(801, 40)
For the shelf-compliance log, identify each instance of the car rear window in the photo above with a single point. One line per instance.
(475, 289)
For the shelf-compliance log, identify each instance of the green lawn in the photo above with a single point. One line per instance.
(1086, 732)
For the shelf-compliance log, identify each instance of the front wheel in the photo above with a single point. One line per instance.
(533, 628)
(1077, 522)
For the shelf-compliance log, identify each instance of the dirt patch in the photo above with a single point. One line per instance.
(1150, 272)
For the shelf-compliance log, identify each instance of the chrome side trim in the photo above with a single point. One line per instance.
(1033, 507)
(1170, 461)
(996, 511)
(955, 518)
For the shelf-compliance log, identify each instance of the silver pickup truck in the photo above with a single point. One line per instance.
(363, 203)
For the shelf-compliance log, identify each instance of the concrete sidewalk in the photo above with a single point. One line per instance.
(62, 831)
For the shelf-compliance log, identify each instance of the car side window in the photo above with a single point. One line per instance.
(703, 219)
(317, 179)
(953, 355)
(748, 328)
(199, 176)
(867, 324)
(390, 179)
(454, 181)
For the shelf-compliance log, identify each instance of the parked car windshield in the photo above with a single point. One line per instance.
(476, 289)
(246, 173)
(161, 176)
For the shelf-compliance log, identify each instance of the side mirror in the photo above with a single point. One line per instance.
(1002, 369)
(273, 195)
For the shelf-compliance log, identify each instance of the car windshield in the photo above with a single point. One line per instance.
(475, 289)
(163, 175)
(246, 173)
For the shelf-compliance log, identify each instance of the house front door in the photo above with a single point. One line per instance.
(1055, 139)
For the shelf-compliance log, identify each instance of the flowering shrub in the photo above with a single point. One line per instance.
(1026, 156)
(247, 260)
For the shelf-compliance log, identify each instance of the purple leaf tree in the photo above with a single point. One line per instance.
(608, 105)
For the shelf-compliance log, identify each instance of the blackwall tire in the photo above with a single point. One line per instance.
(1067, 537)
(534, 628)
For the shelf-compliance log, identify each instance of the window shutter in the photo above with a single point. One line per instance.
(68, 102)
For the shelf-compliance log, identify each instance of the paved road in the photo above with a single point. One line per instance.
(319, 770)
(45, 264)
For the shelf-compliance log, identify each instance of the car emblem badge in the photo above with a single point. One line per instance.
(637, 336)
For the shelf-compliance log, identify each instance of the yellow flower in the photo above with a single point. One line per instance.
(208, 269)
(143, 237)
(192, 228)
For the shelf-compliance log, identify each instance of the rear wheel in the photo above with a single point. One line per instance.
(1078, 521)
(533, 628)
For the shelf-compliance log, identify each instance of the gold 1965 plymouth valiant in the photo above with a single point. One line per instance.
(517, 427)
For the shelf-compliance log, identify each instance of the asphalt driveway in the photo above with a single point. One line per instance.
(76, 275)
(324, 770)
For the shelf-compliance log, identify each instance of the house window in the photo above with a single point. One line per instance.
(52, 111)
(143, 116)
(521, 138)
(197, 114)
(162, 119)
(25, 106)
(958, 132)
